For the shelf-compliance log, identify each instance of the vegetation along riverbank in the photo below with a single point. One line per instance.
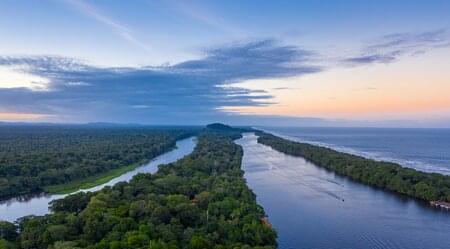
(91, 181)
(34, 158)
(384, 175)
(199, 202)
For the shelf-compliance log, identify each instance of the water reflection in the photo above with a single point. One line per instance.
(17, 207)
(313, 208)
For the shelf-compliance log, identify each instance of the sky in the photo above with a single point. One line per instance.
(285, 63)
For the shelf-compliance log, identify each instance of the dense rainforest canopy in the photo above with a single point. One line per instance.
(34, 156)
(385, 175)
(199, 202)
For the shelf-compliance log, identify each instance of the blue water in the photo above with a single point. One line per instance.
(423, 149)
(312, 208)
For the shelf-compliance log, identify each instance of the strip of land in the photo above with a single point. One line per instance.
(425, 186)
(199, 202)
(89, 182)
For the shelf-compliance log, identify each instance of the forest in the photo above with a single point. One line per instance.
(384, 175)
(35, 156)
(199, 202)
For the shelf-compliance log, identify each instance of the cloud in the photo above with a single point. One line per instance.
(389, 48)
(259, 59)
(283, 88)
(193, 91)
(121, 30)
(189, 92)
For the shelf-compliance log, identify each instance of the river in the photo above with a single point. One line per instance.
(17, 207)
(313, 208)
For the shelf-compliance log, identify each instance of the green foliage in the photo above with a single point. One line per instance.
(231, 132)
(219, 126)
(200, 201)
(199, 242)
(33, 157)
(4, 244)
(65, 245)
(89, 182)
(8, 231)
(384, 175)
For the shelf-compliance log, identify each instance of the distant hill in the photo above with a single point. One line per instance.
(227, 128)
(219, 126)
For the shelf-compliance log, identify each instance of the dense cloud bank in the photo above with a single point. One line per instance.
(194, 91)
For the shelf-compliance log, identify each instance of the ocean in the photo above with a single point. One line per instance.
(422, 149)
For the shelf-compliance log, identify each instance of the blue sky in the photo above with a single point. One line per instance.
(250, 62)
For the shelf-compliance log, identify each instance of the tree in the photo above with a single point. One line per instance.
(4, 244)
(425, 192)
(200, 201)
(8, 231)
(198, 242)
(65, 245)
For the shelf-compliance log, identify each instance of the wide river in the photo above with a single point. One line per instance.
(314, 209)
(15, 208)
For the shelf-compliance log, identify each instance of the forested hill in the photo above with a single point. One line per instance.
(199, 202)
(219, 127)
(385, 175)
(236, 131)
(35, 156)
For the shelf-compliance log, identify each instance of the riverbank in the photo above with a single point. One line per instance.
(33, 157)
(15, 208)
(200, 201)
(385, 175)
(441, 204)
(90, 182)
(304, 205)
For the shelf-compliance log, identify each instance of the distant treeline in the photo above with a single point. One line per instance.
(32, 157)
(385, 175)
(199, 202)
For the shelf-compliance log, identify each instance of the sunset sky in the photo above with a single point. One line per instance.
(308, 63)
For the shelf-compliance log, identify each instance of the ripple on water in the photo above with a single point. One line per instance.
(304, 204)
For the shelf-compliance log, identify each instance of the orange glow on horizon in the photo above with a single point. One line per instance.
(10, 116)
(408, 87)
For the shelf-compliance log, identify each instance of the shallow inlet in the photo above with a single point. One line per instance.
(17, 207)
(313, 208)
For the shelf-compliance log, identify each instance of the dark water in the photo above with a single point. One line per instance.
(15, 208)
(312, 208)
(422, 149)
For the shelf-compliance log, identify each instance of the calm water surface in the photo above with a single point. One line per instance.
(15, 208)
(312, 208)
(422, 149)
